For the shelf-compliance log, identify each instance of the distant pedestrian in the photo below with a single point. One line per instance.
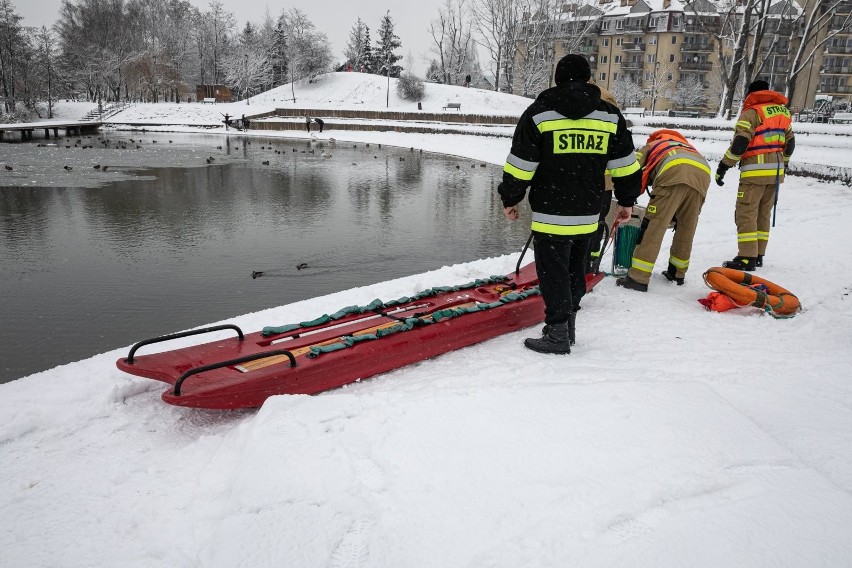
(467, 81)
(245, 123)
(320, 122)
(227, 121)
(308, 122)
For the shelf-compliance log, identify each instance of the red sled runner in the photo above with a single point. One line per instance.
(334, 350)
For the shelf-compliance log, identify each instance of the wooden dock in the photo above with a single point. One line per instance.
(71, 128)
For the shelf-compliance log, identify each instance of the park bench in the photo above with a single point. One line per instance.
(210, 100)
(456, 106)
(638, 111)
(841, 118)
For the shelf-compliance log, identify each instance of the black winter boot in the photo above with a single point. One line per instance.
(745, 263)
(759, 262)
(554, 341)
(572, 320)
(670, 273)
(628, 282)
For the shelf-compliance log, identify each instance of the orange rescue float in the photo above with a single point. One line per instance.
(741, 288)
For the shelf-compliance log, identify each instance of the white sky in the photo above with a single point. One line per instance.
(334, 17)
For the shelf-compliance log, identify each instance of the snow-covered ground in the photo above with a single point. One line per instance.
(670, 436)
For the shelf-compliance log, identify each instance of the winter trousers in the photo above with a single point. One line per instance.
(680, 202)
(753, 216)
(561, 267)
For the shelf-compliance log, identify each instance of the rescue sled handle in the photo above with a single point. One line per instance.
(133, 349)
(231, 362)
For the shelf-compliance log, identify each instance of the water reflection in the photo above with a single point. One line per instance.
(91, 269)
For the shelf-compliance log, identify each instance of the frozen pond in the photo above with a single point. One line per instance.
(167, 237)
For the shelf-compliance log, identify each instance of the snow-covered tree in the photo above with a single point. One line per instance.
(387, 43)
(690, 92)
(453, 44)
(626, 91)
(307, 51)
(356, 47)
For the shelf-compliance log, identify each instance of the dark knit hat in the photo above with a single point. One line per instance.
(573, 67)
(759, 85)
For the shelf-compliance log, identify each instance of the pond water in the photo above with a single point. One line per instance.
(167, 238)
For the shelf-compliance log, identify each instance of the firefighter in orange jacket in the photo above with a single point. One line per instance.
(680, 176)
(763, 143)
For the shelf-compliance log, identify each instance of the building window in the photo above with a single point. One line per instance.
(603, 76)
(604, 58)
(674, 39)
(647, 76)
(605, 25)
(615, 76)
(671, 58)
(618, 41)
(652, 22)
(606, 42)
(617, 59)
(669, 77)
(652, 40)
(619, 24)
(652, 58)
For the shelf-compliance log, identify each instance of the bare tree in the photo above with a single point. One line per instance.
(658, 81)
(453, 44)
(819, 25)
(306, 50)
(497, 23)
(534, 54)
(626, 91)
(690, 92)
(10, 39)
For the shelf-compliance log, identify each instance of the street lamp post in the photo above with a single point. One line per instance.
(656, 84)
(245, 68)
(387, 72)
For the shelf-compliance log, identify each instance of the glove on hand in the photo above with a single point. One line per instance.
(720, 174)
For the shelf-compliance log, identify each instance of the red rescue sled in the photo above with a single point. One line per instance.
(243, 371)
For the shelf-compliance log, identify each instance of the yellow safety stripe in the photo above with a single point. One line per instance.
(582, 123)
(688, 161)
(518, 173)
(731, 156)
(763, 235)
(540, 227)
(744, 123)
(642, 265)
(746, 237)
(679, 262)
(626, 170)
(762, 173)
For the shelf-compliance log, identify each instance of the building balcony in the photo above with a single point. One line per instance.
(631, 65)
(697, 47)
(695, 65)
(838, 49)
(586, 49)
(835, 89)
(633, 46)
(837, 69)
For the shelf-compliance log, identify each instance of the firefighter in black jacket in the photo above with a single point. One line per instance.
(563, 144)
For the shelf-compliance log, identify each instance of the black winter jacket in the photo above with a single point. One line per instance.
(563, 144)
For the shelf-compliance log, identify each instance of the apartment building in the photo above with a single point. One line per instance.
(663, 55)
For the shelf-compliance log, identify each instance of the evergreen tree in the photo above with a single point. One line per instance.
(388, 42)
(355, 48)
(369, 61)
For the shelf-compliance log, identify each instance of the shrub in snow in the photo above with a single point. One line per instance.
(410, 87)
